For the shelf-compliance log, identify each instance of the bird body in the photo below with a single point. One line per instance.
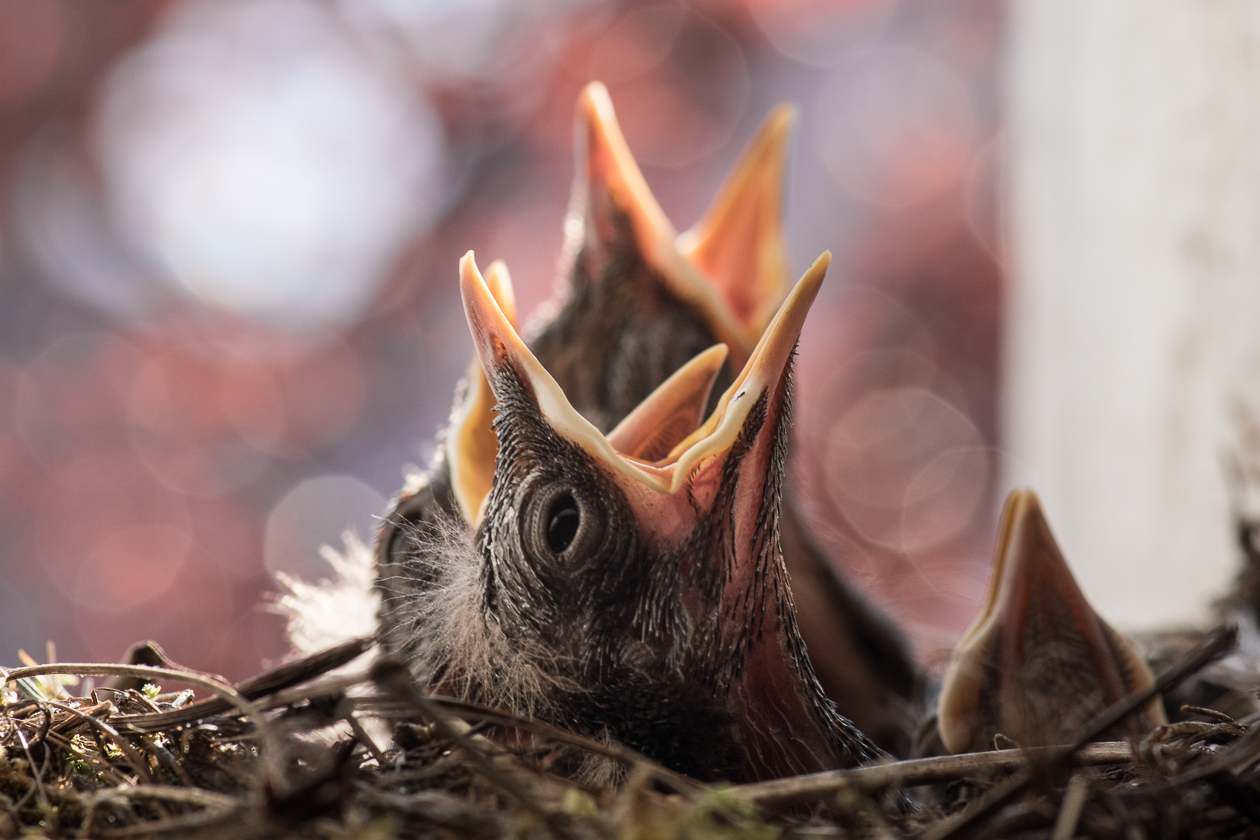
(640, 302)
(1037, 663)
(641, 600)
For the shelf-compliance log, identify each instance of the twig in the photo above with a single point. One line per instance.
(1070, 808)
(616, 751)
(36, 776)
(185, 826)
(272, 682)
(221, 689)
(345, 711)
(224, 804)
(1206, 652)
(781, 793)
(137, 761)
(170, 793)
(393, 677)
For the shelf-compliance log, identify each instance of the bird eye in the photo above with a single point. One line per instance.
(562, 523)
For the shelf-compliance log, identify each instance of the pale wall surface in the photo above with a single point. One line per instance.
(1134, 312)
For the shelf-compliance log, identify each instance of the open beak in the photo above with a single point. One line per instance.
(731, 268)
(471, 442)
(1038, 662)
(738, 244)
(502, 352)
(706, 501)
(671, 412)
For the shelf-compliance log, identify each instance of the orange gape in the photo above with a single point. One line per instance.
(1037, 663)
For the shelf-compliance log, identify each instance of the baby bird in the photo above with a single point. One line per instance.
(1038, 663)
(636, 310)
(641, 302)
(630, 585)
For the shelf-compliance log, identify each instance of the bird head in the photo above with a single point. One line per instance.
(639, 303)
(644, 564)
(640, 299)
(1037, 663)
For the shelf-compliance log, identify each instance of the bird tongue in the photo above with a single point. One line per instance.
(1037, 645)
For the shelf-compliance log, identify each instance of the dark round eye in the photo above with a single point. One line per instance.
(562, 523)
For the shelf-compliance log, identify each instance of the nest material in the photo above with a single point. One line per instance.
(291, 754)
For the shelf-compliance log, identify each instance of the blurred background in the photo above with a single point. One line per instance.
(229, 314)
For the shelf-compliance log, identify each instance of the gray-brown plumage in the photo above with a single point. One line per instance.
(1038, 663)
(640, 600)
(641, 302)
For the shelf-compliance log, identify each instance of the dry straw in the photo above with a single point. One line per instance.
(292, 753)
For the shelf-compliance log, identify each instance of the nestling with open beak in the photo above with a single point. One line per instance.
(641, 302)
(631, 585)
(1038, 663)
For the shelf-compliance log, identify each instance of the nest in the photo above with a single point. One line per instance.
(296, 752)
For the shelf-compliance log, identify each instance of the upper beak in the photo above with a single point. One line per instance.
(694, 457)
(471, 443)
(731, 267)
(706, 513)
(1037, 662)
(738, 244)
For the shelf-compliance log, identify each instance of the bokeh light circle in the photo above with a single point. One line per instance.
(131, 565)
(896, 127)
(254, 152)
(907, 469)
(314, 514)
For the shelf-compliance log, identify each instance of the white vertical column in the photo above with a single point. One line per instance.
(1134, 309)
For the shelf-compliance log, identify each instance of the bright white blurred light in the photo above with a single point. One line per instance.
(456, 38)
(265, 161)
(492, 40)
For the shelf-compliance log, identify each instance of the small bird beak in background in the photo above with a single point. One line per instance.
(738, 244)
(731, 268)
(1037, 663)
(471, 443)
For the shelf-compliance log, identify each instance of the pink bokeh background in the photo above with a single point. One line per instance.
(228, 303)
